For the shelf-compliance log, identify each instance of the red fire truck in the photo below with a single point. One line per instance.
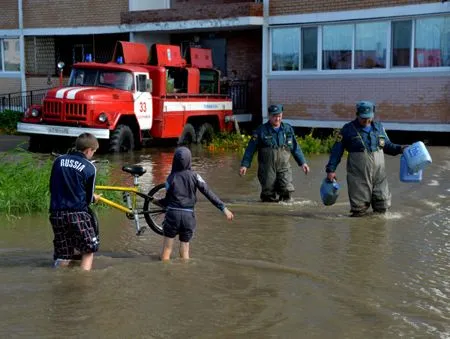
(132, 98)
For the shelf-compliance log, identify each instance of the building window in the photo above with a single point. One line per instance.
(9, 55)
(309, 48)
(337, 46)
(285, 49)
(401, 43)
(370, 45)
(432, 45)
(412, 43)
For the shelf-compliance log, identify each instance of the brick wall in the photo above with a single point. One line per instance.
(283, 7)
(244, 56)
(9, 15)
(180, 3)
(196, 10)
(36, 82)
(244, 53)
(9, 85)
(69, 13)
(409, 99)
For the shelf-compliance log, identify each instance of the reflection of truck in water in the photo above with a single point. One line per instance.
(125, 101)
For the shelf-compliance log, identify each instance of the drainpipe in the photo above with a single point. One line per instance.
(265, 58)
(23, 81)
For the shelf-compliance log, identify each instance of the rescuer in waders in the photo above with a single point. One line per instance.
(366, 142)
(275, 142)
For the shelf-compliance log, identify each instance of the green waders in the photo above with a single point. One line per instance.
(367, 182)
(275, 173)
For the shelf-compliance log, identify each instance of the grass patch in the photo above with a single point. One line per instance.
(24, 183)
(8, 121)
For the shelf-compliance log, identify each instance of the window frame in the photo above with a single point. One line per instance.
(389, 49)
(271, 48)
(2, 54)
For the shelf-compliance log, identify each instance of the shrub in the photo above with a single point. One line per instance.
(8, 121)
(308, 143)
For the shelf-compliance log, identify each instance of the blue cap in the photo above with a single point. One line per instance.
(365, 109)
(275, 109)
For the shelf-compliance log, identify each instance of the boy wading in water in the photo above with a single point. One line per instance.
(180, 199)
(72, 183)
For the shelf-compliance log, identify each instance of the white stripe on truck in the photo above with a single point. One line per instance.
(171, 106)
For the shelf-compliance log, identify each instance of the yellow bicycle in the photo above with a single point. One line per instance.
(136, 203)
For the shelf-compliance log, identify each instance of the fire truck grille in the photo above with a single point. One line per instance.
(75, 111)
(52, 109)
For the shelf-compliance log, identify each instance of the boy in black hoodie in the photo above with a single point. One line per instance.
(180, 199)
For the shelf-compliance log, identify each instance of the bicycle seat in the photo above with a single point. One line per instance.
(134, 169)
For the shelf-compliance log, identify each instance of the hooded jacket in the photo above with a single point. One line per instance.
(182, 184)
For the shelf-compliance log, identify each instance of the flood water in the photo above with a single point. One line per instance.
(299, 270)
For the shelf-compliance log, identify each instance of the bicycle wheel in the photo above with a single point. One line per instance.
(153, 213)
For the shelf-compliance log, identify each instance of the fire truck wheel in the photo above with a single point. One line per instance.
(188, 135)
(205, 133)
(121, 139)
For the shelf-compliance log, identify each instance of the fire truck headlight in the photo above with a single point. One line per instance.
(103, 117)
(35, 113)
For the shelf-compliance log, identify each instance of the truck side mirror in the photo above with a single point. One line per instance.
(149, 85)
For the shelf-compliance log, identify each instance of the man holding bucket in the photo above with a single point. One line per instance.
(366, 142)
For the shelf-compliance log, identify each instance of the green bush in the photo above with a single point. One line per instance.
(8, 121)
(308, 143)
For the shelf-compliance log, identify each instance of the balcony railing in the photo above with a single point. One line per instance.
(244, 95)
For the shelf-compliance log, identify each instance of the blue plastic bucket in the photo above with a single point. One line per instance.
(406, 175)
(329, 192)
(417, 157)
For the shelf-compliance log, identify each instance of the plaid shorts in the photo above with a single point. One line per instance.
(73, 231)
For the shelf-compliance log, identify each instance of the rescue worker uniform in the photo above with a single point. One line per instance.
(274, 147)
(366, 174)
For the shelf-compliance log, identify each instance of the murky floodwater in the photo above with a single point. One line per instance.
(281, 271)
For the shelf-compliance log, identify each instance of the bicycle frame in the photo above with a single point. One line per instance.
(130, 194)
(130, 198)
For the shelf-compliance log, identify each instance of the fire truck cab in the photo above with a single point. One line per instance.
(132, 98)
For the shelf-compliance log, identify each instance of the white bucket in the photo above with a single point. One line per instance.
(406, 175)
(417, 157)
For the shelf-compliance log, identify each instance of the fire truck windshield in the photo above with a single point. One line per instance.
(101, 78)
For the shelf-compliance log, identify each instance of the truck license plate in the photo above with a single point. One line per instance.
(58, 130)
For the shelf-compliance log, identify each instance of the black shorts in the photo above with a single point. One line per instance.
(73, 231)
(179, 222)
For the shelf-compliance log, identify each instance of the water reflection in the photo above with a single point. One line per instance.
(297, 270)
